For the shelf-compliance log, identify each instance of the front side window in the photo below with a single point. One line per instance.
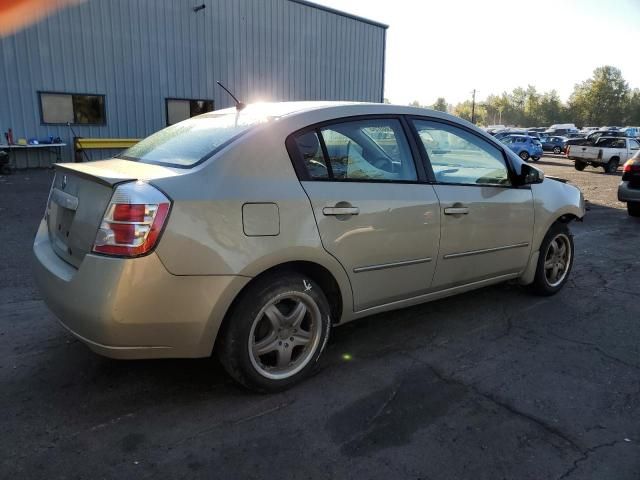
(460, 157)
(361, 150)
(179, 109)
(74, 108)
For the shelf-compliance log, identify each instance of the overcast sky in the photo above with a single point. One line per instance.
(446, 48)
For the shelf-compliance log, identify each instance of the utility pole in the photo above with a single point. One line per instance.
(473, 107)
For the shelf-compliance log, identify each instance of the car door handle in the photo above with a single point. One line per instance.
(340, 211)
(456, 211)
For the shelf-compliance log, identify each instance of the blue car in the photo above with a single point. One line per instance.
(525, 146)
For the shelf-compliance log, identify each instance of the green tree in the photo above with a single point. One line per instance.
(632, 116)
(464, 109)
(440, 105)
(551, 109)
(600, 100)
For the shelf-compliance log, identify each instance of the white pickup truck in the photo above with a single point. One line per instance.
(608, 153)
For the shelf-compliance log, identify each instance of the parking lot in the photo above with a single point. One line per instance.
(496, 384)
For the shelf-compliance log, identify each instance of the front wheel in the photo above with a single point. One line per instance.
(555, 260)
(535, 159)
(524, 155)
(557, 150)
(276, 332)
(580, 166)
(633, 209)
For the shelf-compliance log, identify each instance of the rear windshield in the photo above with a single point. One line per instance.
(192, 141)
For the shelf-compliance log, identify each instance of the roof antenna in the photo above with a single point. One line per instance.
(239, 104)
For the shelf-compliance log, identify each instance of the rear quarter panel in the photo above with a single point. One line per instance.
(204, 234)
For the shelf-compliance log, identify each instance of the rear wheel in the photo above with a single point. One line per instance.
(612, 166)
(524, 155)
(633, 209)
(535, 159)
(276, 332)
(580, 166)
(557, 150)
(555, 260)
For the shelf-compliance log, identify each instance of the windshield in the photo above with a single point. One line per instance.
(192, 141)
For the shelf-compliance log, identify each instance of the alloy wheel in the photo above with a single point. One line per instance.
(557, 260)
(284, 335)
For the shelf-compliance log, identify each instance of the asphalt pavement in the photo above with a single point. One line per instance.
(494, 384)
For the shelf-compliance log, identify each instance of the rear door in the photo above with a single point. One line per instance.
(486, 222)
(373, 213)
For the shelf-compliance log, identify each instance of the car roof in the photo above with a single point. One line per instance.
(290, 109)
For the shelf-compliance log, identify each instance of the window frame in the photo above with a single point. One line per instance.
(166, 107)
(491, 141)
(303, 174)
(71, 94)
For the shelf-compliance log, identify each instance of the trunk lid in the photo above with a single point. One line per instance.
(79, 196)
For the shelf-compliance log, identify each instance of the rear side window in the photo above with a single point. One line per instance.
(312, 157)
(361, 150)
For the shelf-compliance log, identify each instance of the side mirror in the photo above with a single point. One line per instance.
(529, 175)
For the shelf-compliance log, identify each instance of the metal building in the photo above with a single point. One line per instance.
(126, 68)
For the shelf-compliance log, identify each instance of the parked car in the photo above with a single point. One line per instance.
(560, 132)
(556, 145)
(629, 188)
(509, 131)
(534, 134)
(574, 135)
(524, 146)
(251, 232)
(588, 130)
(633, 132)
(608, 153)
(593, 137)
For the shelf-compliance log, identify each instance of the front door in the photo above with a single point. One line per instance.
(373, 215)
(486, 222)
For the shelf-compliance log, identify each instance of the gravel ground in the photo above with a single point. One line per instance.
(495, 384)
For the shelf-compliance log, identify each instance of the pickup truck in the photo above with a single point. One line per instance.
(607, 152)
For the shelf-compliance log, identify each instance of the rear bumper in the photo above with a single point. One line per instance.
(628, 194)
(133, 308)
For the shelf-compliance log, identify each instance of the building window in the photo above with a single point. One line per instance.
(75, 108)
(179, 109)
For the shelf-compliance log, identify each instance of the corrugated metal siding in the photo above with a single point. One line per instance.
(139, 52)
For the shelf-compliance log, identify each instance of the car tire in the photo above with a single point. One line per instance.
(612, 166)
(554, 263)
(557, 150)
(524, 155)
(535, 159)
(633, 209)
(580, 166)
(286, 316)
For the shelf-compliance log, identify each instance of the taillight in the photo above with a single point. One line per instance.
(133, 220)
(568, 150)
(631, 165)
